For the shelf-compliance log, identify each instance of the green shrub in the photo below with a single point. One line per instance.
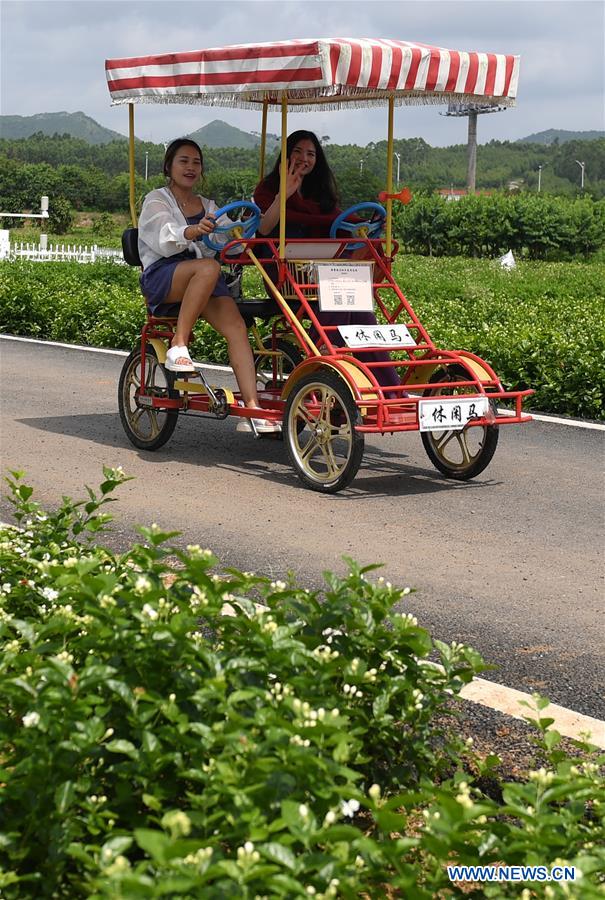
(103, 225)
(153, 746)
(60, 216)
(539, 227)
(540, 326)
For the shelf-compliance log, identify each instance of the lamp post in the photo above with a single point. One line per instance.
(146, 163)
(361, 166)
(539, 178)
(582, 167)
(398, 155)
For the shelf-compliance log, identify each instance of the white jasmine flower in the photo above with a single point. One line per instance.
(349, 807)
(31, 719)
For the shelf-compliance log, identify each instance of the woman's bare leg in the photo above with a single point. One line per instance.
(224, 316)
(192, 284)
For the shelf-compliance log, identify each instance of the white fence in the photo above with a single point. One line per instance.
(61, 252)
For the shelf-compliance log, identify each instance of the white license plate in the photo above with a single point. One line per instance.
(451, 413)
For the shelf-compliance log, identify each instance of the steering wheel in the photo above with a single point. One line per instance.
(247, 227)
(370, 228)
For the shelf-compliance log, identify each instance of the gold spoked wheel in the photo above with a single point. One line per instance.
(465, 453)
(319, 431)
(146, 427)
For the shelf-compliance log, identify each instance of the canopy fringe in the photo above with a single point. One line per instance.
(306, 101)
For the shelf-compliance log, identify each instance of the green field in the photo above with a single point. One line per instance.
(539, 326)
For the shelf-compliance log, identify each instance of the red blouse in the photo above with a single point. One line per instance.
(299, 211)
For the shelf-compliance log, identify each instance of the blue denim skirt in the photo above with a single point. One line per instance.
(156, 282)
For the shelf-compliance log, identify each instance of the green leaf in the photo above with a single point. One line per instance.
(389, 821)
(64, 796)
(280, 854)
(152, 802)
(150, 743)
(121, 746)
(154, 843)
(122, 690)
(118, 844)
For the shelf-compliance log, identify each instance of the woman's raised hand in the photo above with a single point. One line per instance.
(294, 177)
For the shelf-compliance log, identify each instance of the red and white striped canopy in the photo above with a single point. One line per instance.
(330, 71)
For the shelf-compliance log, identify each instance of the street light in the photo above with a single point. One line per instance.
(398, 155)
(582, 166)
(540, 178)
(146, 163)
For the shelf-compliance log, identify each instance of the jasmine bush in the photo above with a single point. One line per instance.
(153, 745)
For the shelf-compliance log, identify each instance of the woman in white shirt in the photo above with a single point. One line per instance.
(182, 278)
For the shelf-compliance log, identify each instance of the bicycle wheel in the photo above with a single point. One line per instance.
(147, 427)
(460, 454)
(319, 431)
(289, 357)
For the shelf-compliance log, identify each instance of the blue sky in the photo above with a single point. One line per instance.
(53, 52)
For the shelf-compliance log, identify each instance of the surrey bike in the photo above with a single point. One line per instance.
(326, 396)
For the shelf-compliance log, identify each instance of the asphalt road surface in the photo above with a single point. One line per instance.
(511, 563)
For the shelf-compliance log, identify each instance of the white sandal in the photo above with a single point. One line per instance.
(261, 426)
(176, 353)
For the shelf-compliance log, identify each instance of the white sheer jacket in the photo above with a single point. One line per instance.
(162, 228)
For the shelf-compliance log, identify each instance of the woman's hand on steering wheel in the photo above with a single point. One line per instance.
(369, 228)
(242, 228)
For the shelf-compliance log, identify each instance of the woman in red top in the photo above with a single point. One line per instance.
(311, 207)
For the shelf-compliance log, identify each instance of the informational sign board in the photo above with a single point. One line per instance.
(450, 413)
(345, 286)
(390, 336)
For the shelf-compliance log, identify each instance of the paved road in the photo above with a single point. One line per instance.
(511, 562)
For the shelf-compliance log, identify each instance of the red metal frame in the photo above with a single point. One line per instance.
(376, 401)
(377, 406)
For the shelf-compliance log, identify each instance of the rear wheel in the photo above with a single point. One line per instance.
(319, 431)
(147, 427)
(272, 371)
(465, 453)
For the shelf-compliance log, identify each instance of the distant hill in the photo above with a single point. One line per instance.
(76, 124)
(558, 134)
(220, 134)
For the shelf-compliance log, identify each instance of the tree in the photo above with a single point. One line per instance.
(60, 217)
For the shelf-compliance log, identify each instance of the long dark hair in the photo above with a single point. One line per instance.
(319, 184)
(172, 150)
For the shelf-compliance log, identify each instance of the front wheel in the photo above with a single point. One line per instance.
(465, 453)
(319, 430)
(147, 427)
